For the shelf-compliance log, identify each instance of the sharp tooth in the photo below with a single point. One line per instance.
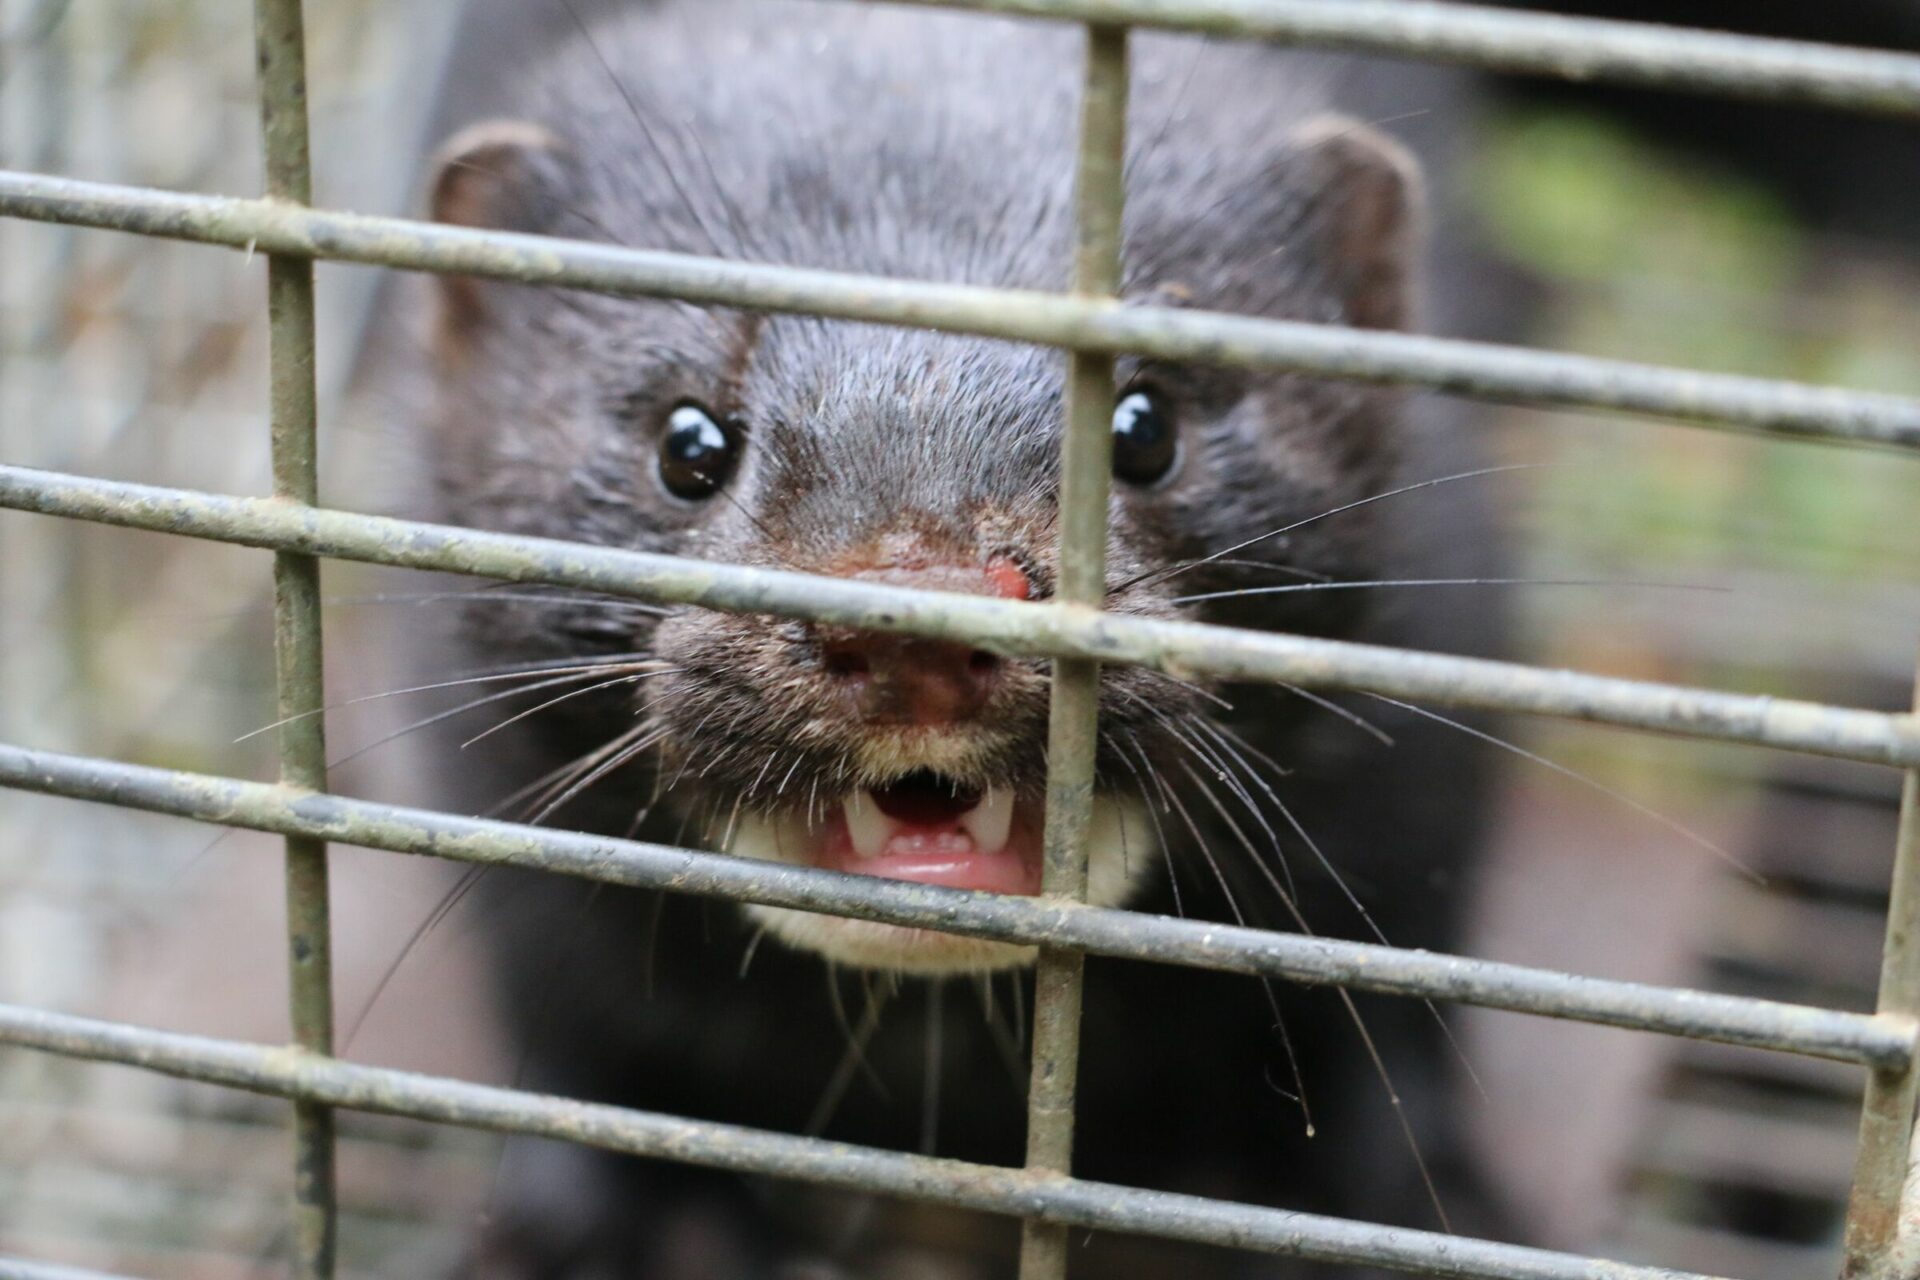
(868, 827)
(990, 821)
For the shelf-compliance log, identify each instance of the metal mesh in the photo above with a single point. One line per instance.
(128, 356)
(1094, 328)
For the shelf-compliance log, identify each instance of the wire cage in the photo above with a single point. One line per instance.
(151, 357)
(1883, 1225)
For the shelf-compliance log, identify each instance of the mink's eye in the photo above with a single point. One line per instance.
(1143, 438)
(697, 452)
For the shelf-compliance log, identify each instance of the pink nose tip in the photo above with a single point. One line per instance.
(895, 679)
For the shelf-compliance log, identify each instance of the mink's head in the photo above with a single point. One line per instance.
(932, 147)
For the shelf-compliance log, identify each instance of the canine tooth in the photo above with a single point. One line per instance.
(756, 836)
(990, 821)
(868, 827)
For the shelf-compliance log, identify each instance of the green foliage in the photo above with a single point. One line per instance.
(1660, 256)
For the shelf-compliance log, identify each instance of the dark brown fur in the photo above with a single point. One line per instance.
(936, 146)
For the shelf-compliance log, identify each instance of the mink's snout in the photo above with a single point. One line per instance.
(888, 679)
(908, 680)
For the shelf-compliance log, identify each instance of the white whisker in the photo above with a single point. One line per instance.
(1292, 587)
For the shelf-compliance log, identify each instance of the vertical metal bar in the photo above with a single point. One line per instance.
(1902, 1258)
(1086, 463)
(281, 52)
(1886, 1120)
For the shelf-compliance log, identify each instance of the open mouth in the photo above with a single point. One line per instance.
(930, 829)
(927, 827)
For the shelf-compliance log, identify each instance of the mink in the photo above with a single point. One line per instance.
(921, 144)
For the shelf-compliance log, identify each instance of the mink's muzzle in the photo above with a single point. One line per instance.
(905, 680)
(909, 680)
(771, 713)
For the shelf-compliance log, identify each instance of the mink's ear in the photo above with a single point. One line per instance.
(1368, 212)
(503, 175)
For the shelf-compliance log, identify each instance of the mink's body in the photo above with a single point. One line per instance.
(934, 146)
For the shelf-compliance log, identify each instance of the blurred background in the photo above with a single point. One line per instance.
(143, 360)
(1668, 229)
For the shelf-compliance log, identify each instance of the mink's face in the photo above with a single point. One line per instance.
(908, 458)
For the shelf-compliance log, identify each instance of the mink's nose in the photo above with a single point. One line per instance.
(906, 680)
(895, 679)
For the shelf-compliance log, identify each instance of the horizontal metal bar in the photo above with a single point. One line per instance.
(1764, 1024)
(1759, 405)
(1005, 626)
(22, 1269)
(292, 1073)
(1566, 48)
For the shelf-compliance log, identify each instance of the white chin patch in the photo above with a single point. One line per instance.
(1122, 852)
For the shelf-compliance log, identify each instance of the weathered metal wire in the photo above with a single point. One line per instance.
(985, 1188)
(1095, 329)
(1768, 407)
(1874, 1236)
(1073, 733)
(1009, 627)
(1541, 44)
(1902, 1255)
(280, 58)
(1763, 1024)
